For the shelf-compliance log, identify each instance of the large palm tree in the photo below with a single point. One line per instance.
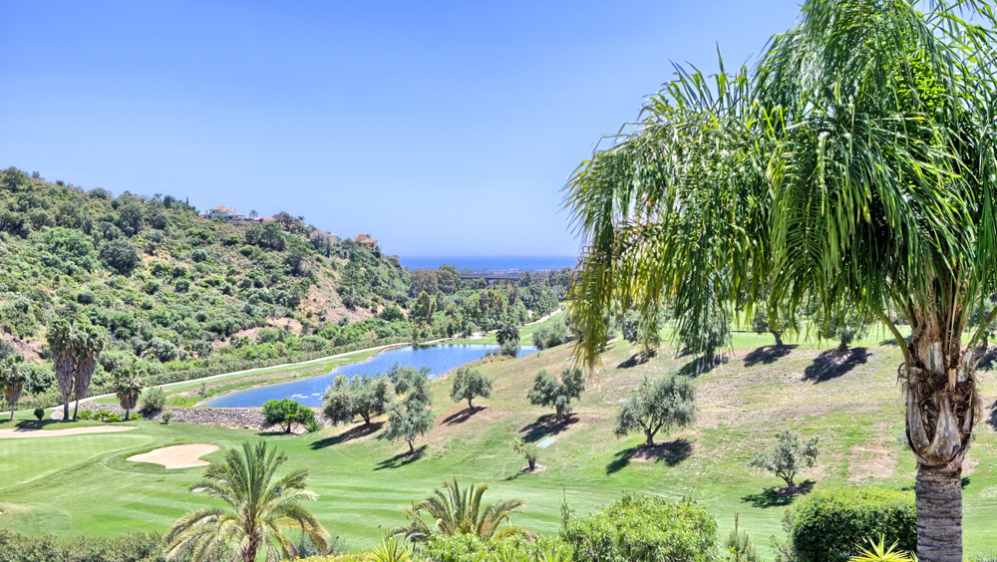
(60, 342)
(12, 380)
(852, 171)
(460, 512)
(128, 387)
(88, 343)
(75, 349)
(262, 508)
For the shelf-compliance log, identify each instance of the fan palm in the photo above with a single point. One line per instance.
(852, 171)
(460, 512)
(128, 387)
(88, 343)
(261, 509)
(12, 380)
(75, 349)
(60, 341)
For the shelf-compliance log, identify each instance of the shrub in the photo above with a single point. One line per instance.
(85, 415)
(199, 255)
(39, 413)
(152, 401)
(287, 414)
(167, 416)
(120, 256)
(645, 528)
(129, 548)
(830, 525)
(85, 297)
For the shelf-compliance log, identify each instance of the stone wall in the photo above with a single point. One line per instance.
(238, 418)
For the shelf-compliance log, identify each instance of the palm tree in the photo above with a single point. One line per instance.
(459, 512)
(128, 387)
(60, 341)
(261, 510)
(88, 344)
(852, 171)
(75, 349)
(12, 380)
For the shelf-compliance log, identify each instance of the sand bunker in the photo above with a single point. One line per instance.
(23, 433)
(177, 456)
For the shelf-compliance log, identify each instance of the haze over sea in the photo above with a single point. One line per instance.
(481, 263)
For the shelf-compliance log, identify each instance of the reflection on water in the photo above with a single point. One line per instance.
(439, 359)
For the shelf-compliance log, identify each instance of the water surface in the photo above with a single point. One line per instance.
(309, 392)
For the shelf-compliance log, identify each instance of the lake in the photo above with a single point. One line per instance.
(309, 392)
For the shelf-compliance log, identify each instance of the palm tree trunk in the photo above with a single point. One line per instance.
(65, 407)
(939, 513)
(76, 408)
(942, 405)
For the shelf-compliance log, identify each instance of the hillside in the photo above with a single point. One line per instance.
(848, 400)
(187, 296)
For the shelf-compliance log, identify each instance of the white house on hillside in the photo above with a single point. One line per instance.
(226, 213)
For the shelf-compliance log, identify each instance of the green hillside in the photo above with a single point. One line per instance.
(186, 296)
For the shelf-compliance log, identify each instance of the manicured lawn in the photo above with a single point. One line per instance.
(82, 484)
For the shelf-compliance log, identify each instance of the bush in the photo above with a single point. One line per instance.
(39, 413)
(287, 413)
(120, 256)
(129, 548)
(85, 415)
(830, 525)
(645, 528)
(469, 548)
(152, 401)
(167, 416)
(85, 297)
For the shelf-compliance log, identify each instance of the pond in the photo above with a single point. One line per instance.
(309, 392)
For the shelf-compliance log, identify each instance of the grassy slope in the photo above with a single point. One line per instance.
(81, 484)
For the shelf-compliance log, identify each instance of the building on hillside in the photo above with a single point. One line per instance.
(366, 241)
(329, 237)
(226, 213)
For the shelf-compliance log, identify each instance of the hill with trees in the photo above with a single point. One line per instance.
(185, 296)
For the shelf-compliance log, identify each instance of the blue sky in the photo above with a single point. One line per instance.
(441, 128)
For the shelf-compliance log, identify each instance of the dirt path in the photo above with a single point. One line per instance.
(33, 433)
(177, 456)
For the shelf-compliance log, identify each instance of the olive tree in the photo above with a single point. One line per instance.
(547, 391)
(467, 384)
(657, 406)
(787, 458)
(362, 395)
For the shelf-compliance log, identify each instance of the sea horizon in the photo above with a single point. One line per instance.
(485, 263)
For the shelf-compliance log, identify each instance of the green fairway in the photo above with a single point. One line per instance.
(83, 485)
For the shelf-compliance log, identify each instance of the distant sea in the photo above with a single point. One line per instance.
(485, 263)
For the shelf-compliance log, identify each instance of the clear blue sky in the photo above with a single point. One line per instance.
(441, 128)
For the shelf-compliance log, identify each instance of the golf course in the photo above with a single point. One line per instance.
(84, 484)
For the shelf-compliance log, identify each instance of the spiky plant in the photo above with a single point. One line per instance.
(261, 510)
(128, 387)
(854, 169)
(391, 549)
(460, 512)
(879, 552)
(12, 380)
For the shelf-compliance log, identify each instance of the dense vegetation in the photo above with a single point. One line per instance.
(186, 297)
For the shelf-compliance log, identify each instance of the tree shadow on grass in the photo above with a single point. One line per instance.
(992, 420)
(834, 363)
(989, 360)
(778, 497)
(545, 426)
(670, 452)
(357, 432)
(637, 359)
(463, 415)
(401, 459)
(701, 365)
(768, 354)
